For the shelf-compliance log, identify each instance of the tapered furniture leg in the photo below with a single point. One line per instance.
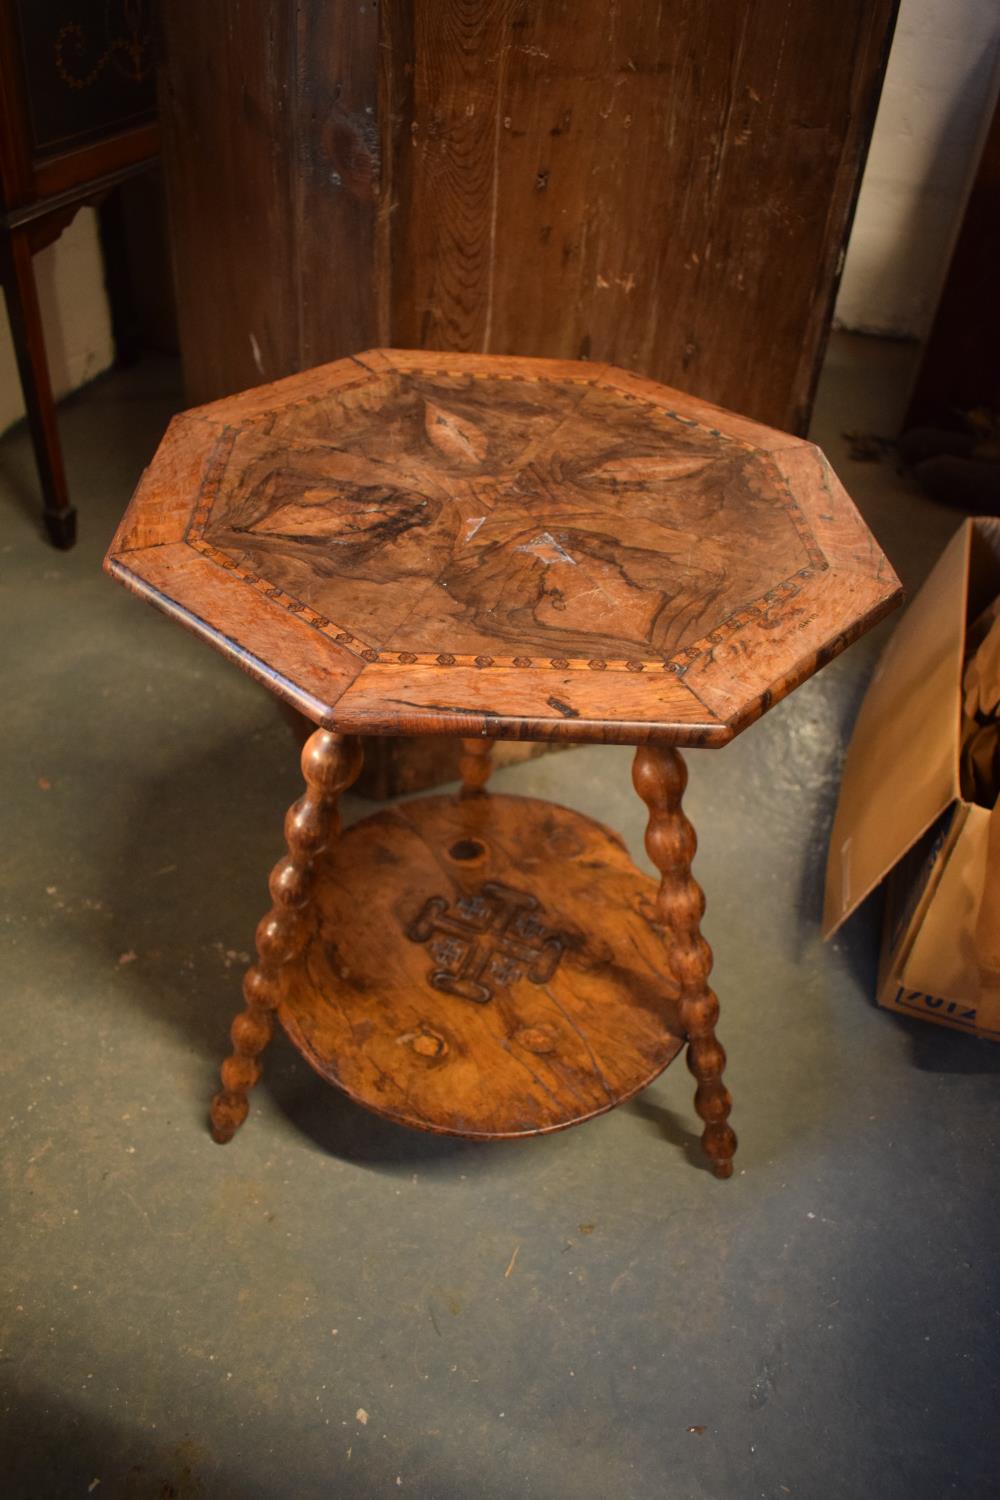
(475, 766)
(660, 776)
(330, 763)
(32, 365)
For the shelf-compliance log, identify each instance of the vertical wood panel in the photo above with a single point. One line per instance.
(663, 185)
(271, 147)
(336, 172)
(446, 170)
(226, 142)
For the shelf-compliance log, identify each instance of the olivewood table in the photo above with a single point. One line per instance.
(495, 548)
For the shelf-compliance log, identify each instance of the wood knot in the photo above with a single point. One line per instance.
(425, 1043)
(565, 842)
(467, 849)
(539, 1039)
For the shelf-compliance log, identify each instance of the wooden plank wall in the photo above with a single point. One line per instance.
(223, 111)
(663, 185)
(270, 118)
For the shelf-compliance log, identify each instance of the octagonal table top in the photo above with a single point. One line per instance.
(410, 542)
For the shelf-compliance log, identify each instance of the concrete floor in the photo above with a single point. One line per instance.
(332, 1306)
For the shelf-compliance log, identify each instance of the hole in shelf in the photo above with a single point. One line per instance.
(466, 849)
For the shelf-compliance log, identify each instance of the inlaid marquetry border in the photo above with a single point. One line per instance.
(676, 663)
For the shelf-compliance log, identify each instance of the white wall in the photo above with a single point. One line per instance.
(936, 104)
(70, 278)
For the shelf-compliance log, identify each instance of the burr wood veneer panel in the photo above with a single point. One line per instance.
(527, 549)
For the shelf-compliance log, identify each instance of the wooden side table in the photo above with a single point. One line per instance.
(495, 548)
(77, 107)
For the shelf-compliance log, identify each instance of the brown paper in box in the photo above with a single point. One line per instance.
(981, 699)
(902, 815)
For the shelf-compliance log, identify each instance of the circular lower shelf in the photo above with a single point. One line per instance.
(485, 967)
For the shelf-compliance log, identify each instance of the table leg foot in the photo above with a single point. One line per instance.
(475, 766)
(660, 776)
(251, 1031)
(330, 763)
(61, 527)
(706, 1059)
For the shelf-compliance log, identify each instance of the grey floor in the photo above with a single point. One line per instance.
(332, 1306)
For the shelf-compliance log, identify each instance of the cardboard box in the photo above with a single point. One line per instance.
(902, 818)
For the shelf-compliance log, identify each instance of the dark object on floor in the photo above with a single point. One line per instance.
(920, 443)
(431, 543)
(867, 447)
(969, 484)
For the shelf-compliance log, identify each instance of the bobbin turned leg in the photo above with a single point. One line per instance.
(330, 762)
(660, 776)
(475, 766)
